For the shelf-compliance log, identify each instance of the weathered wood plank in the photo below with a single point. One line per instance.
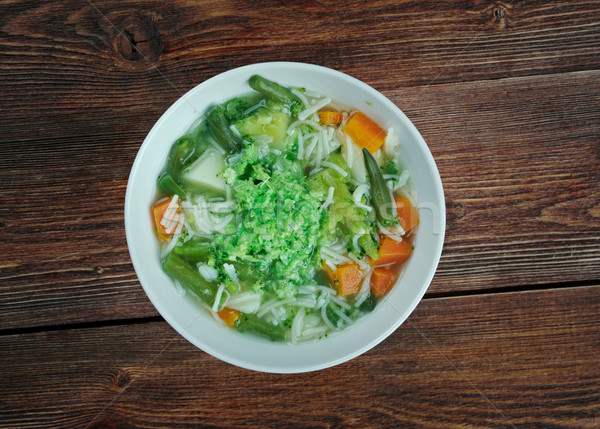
(70, 55)
(518, 157)
(524, 359)
(520, 163)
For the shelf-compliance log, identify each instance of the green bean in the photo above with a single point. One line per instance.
(277, 92)
(169, 186)
(220, 128)
(182, 154)
(248, 274)
(253, 323)
(381, 196)
(177, 268)
(195, 250)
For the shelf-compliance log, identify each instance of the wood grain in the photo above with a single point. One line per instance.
(72, 55)
(520, 164)
(507, 96)
(526, 359)
(518, 157)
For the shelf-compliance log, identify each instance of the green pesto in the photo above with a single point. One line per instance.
(278, 221)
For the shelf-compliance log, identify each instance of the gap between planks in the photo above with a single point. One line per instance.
(430, 296)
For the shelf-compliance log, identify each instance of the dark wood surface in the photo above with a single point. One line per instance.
(507, 96)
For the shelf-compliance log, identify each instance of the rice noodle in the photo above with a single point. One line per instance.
(300, 146)
(394, 235)
(246, 302)
(330, 264)
(171, 218)
(297, 325)
(215, 306)
(319, 154)
(313, 332)
(349, 153)
(356, 238)
(311, 147)
(341, 303)
(342, 316)
(314, 171)
(305, 302)
(314, 108)
(231, 273)
(396, 182)
(209, 273)
(274, 303)
(170, 246)
(358, 193)
(324, 142)
(326, 319)
(365, 288)
(334, 256)
(336, 167)
(300, 96)
(329, 198)
(358, 183)
(361, 262)
(391, 142)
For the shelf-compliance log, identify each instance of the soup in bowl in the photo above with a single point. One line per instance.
(284, 217)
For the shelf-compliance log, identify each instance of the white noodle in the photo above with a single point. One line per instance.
(365, 288)
(326, 319)
(215, 306)
(330, 264)
(313, 332)
(311, 147)
(314, 108)
(393, 234)
(299, 95)
(355, 240)
(358, 194)
(329, 198)
(300, 146)
(340, 302)
(336, 167)
(274, 303)
(209, 273)
(297, 325)
(167, 249)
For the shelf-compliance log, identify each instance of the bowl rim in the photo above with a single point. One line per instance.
(239, 361)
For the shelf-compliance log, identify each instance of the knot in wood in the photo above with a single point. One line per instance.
(455, 211)
(138, 40)
(122, 379)
(501, 15)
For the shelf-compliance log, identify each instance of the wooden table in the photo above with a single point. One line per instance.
(507, 96)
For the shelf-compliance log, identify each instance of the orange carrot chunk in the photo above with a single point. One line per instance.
(348, 279)
(382, 281)
(392, 251)
(365, 132)
(331, 117)
(158, 212)
(229, 316)
(407, 213)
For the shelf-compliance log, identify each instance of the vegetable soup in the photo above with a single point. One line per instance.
(288, 215)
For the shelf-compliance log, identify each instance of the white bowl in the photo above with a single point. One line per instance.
(247, 351)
